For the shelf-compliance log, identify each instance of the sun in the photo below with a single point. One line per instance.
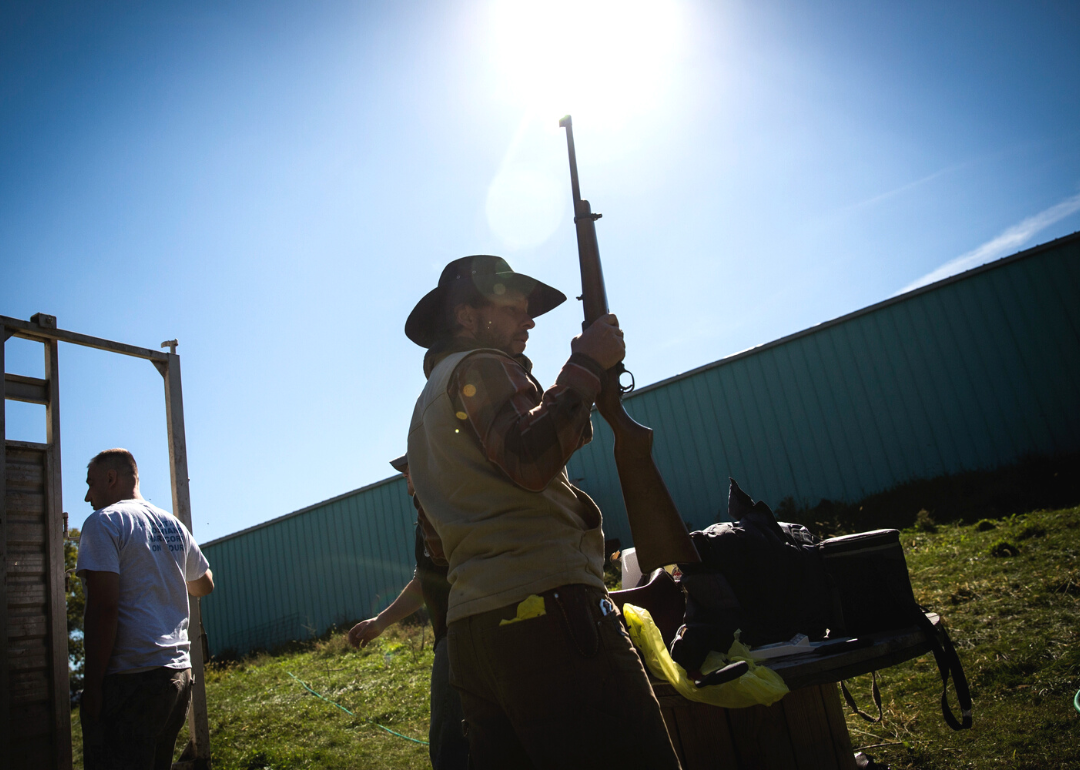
(607, 63)
(607, 60)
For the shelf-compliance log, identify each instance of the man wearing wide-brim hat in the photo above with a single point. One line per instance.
(548, 677)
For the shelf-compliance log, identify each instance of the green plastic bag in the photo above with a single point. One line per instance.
(760, 686)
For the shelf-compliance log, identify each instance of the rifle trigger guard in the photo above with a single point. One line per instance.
(624, 389)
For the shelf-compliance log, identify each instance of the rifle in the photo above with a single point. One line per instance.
(660, 535)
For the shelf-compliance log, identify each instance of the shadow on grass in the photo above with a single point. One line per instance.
(1033, 484)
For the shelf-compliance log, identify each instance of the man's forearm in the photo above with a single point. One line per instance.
(407, 602)
(530, 434)
(99, 638)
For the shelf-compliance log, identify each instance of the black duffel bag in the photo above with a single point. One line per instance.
(773, 580)
(755, 574)
(871, 592)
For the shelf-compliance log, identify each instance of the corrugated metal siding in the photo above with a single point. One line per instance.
(972, 372)
(293, 577)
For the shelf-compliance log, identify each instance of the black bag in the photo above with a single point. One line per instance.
(774, 580)
(871, 592)
(755, 574)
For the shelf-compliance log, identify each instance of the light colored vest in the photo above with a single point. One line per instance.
(503, 542)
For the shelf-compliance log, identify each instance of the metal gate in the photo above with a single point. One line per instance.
(35, 715)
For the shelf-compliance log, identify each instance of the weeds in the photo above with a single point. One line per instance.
(1003, 548)
(924, 522)
(985, 497)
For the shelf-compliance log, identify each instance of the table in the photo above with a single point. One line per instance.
(805, 730)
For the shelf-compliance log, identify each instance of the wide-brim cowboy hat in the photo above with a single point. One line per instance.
(491, 276)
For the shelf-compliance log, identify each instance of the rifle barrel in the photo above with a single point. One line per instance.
(593, 291)
(658, 530)
(568, 124)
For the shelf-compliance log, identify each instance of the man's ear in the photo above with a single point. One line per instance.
(466, 317)
(111, 478)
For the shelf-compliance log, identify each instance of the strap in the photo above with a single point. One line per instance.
(875, 692)
(948, 663)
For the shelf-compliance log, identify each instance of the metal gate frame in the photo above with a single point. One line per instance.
(42, 328)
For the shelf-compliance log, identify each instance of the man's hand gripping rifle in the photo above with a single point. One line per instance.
(659, 533)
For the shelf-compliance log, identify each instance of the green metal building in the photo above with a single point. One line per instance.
(973, 372)
(293, 577)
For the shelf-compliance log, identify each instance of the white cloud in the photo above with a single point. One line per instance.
(1008, 242)
(903, 188)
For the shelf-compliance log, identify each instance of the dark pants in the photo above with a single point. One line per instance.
(141, 715)
(449, 749)
(564, 690)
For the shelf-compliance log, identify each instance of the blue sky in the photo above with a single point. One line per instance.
(275, 185)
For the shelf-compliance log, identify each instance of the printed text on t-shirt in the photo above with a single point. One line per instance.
(170, 535)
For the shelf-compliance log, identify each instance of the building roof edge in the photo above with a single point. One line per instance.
(996, 264)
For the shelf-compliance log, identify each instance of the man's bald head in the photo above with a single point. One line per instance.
(111, 476)
(119, 460)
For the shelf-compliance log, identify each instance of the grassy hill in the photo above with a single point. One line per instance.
(1009, 590)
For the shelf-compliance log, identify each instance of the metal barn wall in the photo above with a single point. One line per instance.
(973, 372)
(293, 577)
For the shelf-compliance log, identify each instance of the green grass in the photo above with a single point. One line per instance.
(260, 717)
(1014, 620)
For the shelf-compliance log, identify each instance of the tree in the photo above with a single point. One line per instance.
(76, 604)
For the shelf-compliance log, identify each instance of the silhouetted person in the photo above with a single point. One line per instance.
(547, 674)
(138, 563)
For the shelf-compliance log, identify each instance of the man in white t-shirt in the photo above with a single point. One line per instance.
(138, 564)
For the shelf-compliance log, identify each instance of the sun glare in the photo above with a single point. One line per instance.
(525, 204)
(607, 63)
(609, 60)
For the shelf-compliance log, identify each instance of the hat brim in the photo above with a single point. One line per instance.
(400, 464)
(422, 325)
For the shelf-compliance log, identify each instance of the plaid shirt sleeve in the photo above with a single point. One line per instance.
(528, 432)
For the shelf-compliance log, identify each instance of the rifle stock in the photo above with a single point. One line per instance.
(660, 535)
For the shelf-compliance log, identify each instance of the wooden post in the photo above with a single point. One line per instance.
(54, 549)
(198, 725)
(5, 688)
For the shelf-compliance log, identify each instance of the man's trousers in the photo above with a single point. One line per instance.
(562, 690)
(141, 715)
(449, 748)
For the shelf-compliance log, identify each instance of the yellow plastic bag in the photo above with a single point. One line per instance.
(758, 686)
(531, 607)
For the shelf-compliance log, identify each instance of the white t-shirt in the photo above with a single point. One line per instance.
(155, 557)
